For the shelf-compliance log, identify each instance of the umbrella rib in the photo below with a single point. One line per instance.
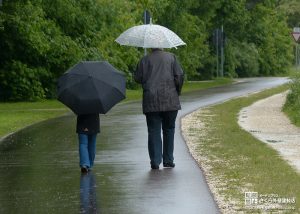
(99, 79)
(98, 91)
(145, 35)
(172, 44)
(73, 83)
(108, 85)
(118, 91)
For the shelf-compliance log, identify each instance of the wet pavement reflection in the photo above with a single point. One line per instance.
(40, 172)
(88, 195)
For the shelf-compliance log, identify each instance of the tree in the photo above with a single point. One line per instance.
(291, 8)
(271, 35)
(41, 39)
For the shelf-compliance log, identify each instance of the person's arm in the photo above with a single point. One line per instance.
(178, 76)
(138, 74)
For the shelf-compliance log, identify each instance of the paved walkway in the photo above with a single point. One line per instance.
(265, 121)
(40, 171)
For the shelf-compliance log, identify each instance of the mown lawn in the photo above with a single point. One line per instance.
(14, 116)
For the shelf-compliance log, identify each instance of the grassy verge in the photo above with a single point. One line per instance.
(293, 114)
(235, 161)
(198, 85)
(14, 116)
(292, 105)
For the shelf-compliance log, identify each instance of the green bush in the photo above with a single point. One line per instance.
(247, 60)
(21, 82)
(292, 105)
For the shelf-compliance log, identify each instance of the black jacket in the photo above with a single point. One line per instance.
(88, 124)
(161, 77)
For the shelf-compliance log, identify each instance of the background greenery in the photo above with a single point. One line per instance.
(41, 39)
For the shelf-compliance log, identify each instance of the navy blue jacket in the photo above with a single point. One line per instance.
(88, 124)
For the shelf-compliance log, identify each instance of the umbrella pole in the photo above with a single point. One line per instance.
(147, 17)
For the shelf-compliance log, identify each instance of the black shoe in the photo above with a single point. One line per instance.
(154, 167)
(84, 169)
(170, 165)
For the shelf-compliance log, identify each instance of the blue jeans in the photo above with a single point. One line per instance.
(157, 121)
(87, 149)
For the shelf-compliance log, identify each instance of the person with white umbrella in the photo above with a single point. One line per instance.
(162, 78)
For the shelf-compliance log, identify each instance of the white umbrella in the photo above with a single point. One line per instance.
(149, 36)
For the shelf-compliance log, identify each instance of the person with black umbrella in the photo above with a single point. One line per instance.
(90, 88)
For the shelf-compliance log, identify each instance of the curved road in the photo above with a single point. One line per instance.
(40, 174)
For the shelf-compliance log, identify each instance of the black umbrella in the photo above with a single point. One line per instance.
(91, 87)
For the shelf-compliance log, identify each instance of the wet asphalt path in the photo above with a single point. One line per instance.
(40, 173)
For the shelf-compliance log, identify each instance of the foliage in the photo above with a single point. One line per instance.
(292, 10)
(243, 59)
(192, 58)
(36, 44)
(292, 104)
(48, 37)
(27, 80)
(272, 38)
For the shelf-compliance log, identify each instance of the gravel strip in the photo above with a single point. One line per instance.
(194, 128)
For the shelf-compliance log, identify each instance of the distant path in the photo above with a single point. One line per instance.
(40, 171)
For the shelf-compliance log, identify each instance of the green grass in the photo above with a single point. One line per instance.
(133, 95)
(14, 116)
(292, 105)
(293, 113)
(192, 86)
(240, 161)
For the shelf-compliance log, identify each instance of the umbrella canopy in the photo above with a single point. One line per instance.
(149, 36)
(91, 87)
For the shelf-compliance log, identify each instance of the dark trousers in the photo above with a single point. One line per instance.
(157, 121)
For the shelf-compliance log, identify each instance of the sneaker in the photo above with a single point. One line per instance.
(169, 165)
(154, 167)
(84, 169)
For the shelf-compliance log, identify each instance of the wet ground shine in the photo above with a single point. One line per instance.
(40, 173)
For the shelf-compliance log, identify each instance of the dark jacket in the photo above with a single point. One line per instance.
(161, 77)
(88, 124)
